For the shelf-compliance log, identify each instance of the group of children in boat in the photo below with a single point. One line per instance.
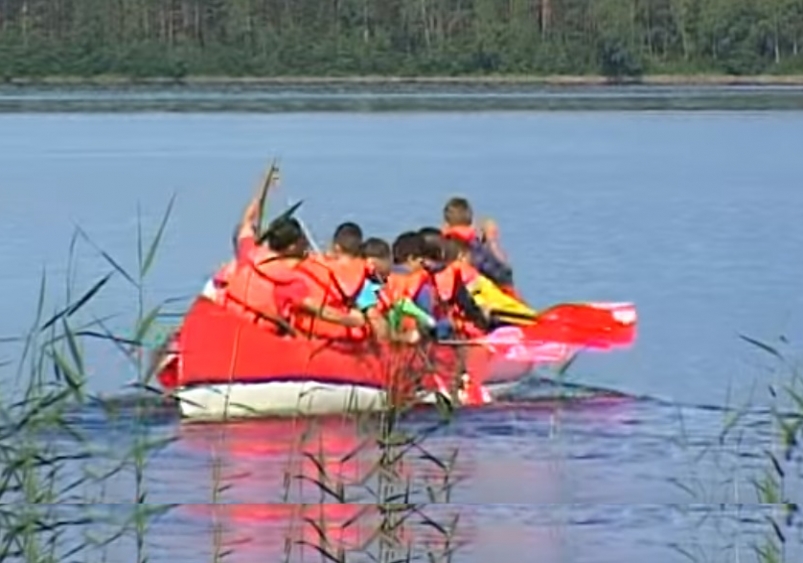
(435, 282)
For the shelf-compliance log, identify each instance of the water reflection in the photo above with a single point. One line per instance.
(592, 479)
(287, 485)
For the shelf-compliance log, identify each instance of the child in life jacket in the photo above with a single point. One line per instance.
(297, 301)
(376, 254)
(344, 259)
(454, 279)
(485, 293)
(451, 294)
(485, 252)
(244, 242)
(405, 297)
(385, 305)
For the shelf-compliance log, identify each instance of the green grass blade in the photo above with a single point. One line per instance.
(77, 331)
(146, 322)
(75, 307)
(106, 256)
(139, 238)
(70, 264)
(796, 397)
(74, 379)
(149, 257)
(108, 336)
(762, 346)
(564, 368)
(40, 303)
(72, 344)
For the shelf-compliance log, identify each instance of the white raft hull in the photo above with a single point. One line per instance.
(285, 399)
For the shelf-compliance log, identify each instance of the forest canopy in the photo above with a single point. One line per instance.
(237, 38)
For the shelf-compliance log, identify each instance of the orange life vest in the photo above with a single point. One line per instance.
(466, 233)
(223, 276)
(350, 274)
(400, 286)
(404, 285)
(326, 289)
(250, 291)
(482, 258)
(446, 282)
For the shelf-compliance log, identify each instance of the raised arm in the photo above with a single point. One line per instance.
(252, 216)
(490, 231)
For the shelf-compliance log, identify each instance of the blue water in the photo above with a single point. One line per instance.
(693, 216)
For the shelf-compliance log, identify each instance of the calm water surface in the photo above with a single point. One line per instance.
(693, 216)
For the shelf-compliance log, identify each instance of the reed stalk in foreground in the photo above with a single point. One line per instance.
(388, 486)
(783, 473)
(133, 350)
(39, 443)
(49, 482)
(386, 501)
(760, 485)
(47, 461)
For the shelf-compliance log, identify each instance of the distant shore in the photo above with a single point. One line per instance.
(483, 80)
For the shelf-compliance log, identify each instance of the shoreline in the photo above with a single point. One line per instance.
(380, 80)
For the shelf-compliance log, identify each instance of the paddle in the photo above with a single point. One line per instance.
(270, 178)
(619, 313)
(594, 325)
(308, 234)
(289, 213)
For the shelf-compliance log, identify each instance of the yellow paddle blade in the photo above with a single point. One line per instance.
(489, 296)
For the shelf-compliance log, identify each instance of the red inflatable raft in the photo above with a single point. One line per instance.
(222, 365)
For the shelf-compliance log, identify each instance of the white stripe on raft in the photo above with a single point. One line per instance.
(291, 398)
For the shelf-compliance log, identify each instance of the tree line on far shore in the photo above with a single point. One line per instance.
(234, 38)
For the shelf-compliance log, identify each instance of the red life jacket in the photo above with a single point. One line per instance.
(326, 290)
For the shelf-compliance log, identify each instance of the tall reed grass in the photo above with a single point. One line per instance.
(55, 473)
(757, 466)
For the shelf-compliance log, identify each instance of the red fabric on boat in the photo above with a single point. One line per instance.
(218, 346)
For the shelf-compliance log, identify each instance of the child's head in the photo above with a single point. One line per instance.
(376, 253)
(455, 249)
(408, 250)
(347, 239)
(458, 213)
(286, 237)
(433, 244)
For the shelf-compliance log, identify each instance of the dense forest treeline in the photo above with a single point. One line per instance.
(175, 38)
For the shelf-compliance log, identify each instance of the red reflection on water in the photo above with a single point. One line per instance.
(271, 451)
(255, 463)
(249, 532)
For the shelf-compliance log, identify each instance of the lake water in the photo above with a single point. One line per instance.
(694, 216)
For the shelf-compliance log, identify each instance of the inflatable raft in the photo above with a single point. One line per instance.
(220, 365)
